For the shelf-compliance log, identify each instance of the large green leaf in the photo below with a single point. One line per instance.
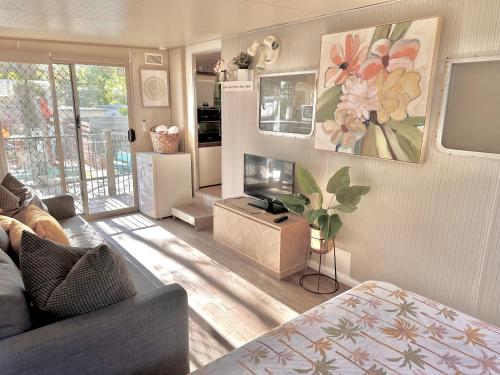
(294, 202)
(351, 196)
(296, 199)
(313, 215)
(327, 103)
(399, 31)
(381, 32)
(409, 148)
(415, 121)
(308, 184)
(410, 138)
(393, 141)
(339, 181)
(347, 208)
(330, 225)
(369, 143)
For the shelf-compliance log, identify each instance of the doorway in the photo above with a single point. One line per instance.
(209, 131)
(65, 130)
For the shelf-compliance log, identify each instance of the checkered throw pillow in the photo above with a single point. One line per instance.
(16, 187)
(66, 281)
(8, 201)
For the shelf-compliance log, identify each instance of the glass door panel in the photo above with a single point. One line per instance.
(39, 148)
(106, 158)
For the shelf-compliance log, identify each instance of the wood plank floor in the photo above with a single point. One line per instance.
(230, 301)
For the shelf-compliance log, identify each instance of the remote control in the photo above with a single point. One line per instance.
(280, 219)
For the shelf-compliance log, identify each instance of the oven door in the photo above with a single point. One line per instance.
(209, 132)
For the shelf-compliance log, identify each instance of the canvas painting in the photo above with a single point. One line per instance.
(373, 90)
(154, 88)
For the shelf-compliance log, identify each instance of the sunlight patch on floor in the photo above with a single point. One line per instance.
(224, 299)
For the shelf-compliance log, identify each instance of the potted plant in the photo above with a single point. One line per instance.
(324, 219)
(242, 61)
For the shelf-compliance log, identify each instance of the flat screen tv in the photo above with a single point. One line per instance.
(267, 179)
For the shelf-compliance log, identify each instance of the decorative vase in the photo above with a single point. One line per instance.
(243, 75)
(318, 244)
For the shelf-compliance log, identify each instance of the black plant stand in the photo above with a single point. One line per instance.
(319, 275)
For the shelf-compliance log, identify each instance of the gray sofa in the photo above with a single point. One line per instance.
(146, 334)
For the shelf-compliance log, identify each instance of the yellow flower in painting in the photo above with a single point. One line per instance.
(395, 92)
(345, 130)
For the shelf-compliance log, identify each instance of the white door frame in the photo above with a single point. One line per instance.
(192, 128)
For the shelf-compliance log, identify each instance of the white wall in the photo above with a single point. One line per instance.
(432, 228)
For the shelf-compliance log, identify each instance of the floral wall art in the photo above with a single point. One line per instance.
(373, 90)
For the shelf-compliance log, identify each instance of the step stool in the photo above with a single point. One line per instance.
(197, 215)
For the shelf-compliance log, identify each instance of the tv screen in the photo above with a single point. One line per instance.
(268, 178)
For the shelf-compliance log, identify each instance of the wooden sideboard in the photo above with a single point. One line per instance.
(278, 249)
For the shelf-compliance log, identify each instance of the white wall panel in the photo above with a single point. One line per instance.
(432, 228)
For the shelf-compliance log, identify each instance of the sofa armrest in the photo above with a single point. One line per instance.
(61, 206)
(146, 334)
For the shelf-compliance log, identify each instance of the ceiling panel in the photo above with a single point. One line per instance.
(154, 23)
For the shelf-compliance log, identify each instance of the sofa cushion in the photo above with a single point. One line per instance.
(8, 200)
(16, 230)
(45, 226)
(14, 314)
(4, 240)
(67, 281)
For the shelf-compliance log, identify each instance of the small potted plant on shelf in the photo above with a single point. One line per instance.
(324, 219)
(242, 61)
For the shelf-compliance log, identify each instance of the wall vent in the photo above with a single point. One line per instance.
(153, 58)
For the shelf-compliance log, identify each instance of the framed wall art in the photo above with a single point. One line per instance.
(374, 90)
(155, 90)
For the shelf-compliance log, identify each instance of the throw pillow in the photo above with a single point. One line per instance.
(45, 226)
(67, 281)
(15, 186)
(16, 230)
(8, 201)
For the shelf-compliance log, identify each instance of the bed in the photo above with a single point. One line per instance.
(375, 328)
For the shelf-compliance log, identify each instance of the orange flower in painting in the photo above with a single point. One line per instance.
(387, 57)
(345, 61)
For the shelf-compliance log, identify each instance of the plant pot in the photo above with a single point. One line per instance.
(317, 243)
(243, 75)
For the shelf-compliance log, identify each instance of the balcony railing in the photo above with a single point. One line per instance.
(51, 167)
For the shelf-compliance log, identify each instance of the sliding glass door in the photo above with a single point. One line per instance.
(64, 129)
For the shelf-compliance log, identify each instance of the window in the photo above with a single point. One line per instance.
(469, 122)
(287, 103)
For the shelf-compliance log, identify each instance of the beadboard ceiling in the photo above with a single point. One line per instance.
(155, 23)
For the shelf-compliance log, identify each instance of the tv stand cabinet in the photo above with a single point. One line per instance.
(279, 249)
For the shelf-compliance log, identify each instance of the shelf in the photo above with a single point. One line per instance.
(237, 85)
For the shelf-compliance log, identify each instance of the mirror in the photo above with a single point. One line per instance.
(287, 103)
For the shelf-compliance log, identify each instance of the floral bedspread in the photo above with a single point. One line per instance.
(375, 328)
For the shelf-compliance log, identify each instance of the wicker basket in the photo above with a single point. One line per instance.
(164, 143)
